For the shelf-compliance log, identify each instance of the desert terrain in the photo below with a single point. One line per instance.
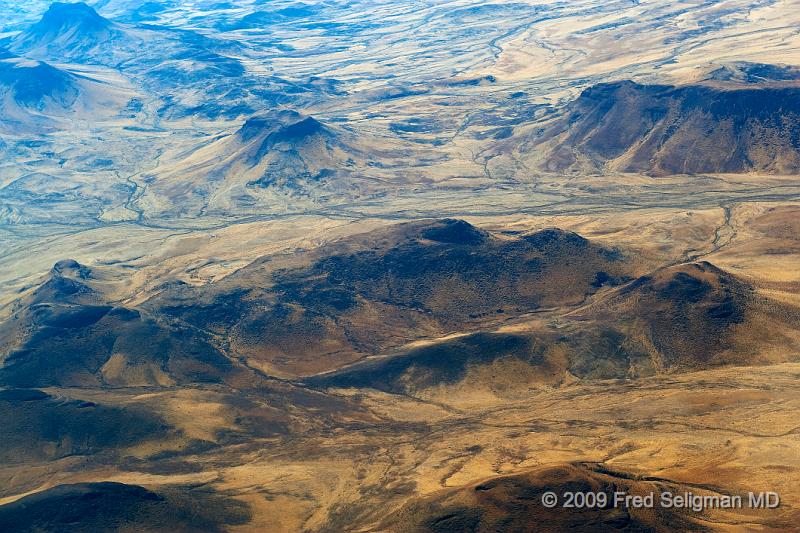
(397, 266)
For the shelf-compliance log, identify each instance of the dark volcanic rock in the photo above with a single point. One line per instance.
(553, 237)
(662, 129)
(70, 346)
(72, 266)
(40, 427)
(279, 126)
(111, 507)
(455, 232)
(690, 313)
(419, 278)
(65, 334)
(677, 319)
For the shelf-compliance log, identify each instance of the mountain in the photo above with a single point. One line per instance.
(41, 427)
(322, 315)
(69, 31)
(286, 146)
(34, 94)
(65, 332)
(193, 74)
(697, 315)
(663, 129)
(372, 294)
(513, 503)
(38, 97)
(281, 150)
(110, 506)
(677, 319)
(313, 312)
(37, 85)
(165, 59)
(305, 314)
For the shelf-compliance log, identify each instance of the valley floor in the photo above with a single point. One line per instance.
(726, 431)
(671, 219)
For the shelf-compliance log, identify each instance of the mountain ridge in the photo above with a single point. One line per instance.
(664, 130)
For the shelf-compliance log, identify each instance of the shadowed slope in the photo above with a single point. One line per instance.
(37, 85)
(65, 333)
(34, 94)
(113, 507)
(698, 315)
(369, 294)
(39, 427)
(678, 319)
(479, 363)
(36, 97)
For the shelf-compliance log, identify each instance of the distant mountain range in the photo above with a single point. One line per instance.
(171, 64)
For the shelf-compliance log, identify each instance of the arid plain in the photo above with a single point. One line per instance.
(397, 266)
